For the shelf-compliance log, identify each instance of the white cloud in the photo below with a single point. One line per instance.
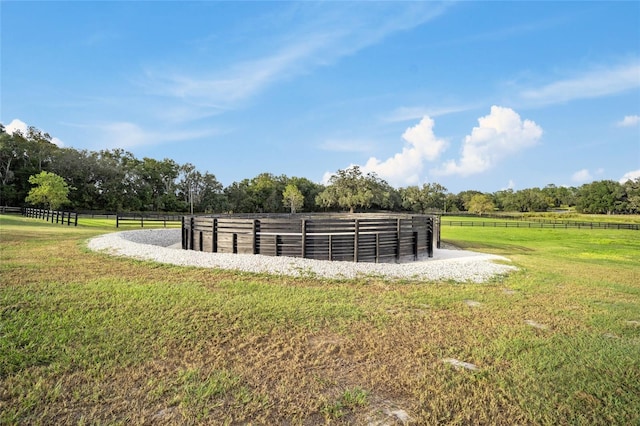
(405, 167)
(17, 125)
(326, 177)
(593, 84)
(499, 134)
(629, 121)
(582, 176)
(632, 175)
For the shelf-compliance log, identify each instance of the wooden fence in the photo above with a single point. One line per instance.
(53, 216)
(10, 210)
(139, 218)
(547, 223)
(543, 224)
(357, 238)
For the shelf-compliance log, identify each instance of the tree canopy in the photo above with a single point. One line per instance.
(602, 197)
(50, 190)
(350, 189)
(431, 196)
(115, 180)
(480, 204)
(292, 197)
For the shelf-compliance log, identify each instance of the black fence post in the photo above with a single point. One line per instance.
(355, 240)
(215, 235)
(304, 237)
(430, 233)
(182, 232)
(398, 240)
(191, 234)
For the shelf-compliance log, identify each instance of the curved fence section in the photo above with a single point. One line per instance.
(357, 237)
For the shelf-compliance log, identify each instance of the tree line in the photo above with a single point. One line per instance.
(115, 180)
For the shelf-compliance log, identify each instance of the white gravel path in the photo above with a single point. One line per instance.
(163, 245)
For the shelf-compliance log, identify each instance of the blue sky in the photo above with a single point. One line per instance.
(471, 95)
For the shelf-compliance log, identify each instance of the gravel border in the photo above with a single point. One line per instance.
(164, 245)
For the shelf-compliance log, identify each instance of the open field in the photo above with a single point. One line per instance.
(89, 338)
(615, 218)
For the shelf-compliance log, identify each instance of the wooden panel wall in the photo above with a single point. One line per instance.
(363, 238)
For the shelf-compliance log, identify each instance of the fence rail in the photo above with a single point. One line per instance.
(8, 210)
(142, 218)
(53, 216)
(543, 224)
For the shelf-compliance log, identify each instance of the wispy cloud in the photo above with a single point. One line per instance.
(586, 175)
(510, 185)
(314, 40)
(346, 145)
(129, 135)
(100, 37)
(417, 112)
(503, 33)
(592, 84)
(223, 89)
(582, 176)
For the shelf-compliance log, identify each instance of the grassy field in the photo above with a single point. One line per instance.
(86, 221)
(86, 338)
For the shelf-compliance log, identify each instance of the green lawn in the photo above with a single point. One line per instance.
(90, 338)
(86, 221)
